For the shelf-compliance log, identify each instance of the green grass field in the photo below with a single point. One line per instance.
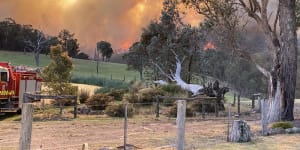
(82, 68)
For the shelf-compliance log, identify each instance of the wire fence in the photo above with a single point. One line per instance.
(152, 124)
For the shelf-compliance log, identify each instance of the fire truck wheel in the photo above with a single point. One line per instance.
(19, 111)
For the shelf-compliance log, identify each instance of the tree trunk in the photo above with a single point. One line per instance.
(141, 73)
(189, 76)
(274, 100)
(97, 66)
(141, 69)
(37, 59)
(288, 72)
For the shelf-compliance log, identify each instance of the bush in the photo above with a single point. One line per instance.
(168, 102)
(284, 125)
(130, 97)
(148, 95)
(117, 94)
(118, 110)
(172, 89)
(173, 112)
(83, 96)
(99, 101)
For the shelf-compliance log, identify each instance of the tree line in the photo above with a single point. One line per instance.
(270, 64)
(25, 38)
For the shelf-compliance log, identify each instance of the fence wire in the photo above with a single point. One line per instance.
(204, 129)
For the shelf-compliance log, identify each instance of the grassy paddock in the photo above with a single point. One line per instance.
(82, 68)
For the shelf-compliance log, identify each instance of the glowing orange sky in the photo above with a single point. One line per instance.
(119, 22)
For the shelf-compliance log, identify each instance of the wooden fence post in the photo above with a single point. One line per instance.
(85, 146)
(157, 107)
(264, 118)
(239, 104)
(75, 107)
(203, 109)
(253, 102)
(228, 124)
(26, 126)
(216, 108)
(234, 98)
(259, 104)
(180, 122)
(125, 126)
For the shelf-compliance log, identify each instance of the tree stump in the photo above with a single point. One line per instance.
(240, 132)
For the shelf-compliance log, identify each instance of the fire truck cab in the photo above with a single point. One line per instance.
(14, 81)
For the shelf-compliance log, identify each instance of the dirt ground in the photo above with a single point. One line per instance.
(147, 133)
(144, 132)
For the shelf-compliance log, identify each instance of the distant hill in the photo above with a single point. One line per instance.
(81, 67)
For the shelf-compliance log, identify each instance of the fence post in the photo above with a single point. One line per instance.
(75, 107)
(216, 108)
(111, 77)
(259, 103)
(253, 102)
(180, 122)
(239, 104)
(228, 123)
(203, 110)
(157, 107)
(26, 126)
(125, 126)
(264, 118)
(234, 98)
(85, 146)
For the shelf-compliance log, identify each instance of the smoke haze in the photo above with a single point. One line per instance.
(119, 22)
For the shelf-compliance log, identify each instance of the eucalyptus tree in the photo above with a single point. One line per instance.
(282, 47)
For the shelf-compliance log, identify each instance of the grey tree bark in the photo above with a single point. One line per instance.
(288, 72)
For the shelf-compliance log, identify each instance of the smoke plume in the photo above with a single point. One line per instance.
(119, 22)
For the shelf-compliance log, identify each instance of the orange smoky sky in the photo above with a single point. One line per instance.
(119, 22)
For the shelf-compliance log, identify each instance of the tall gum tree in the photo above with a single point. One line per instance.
(283, 47)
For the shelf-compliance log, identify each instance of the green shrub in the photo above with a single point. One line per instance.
(83, 96)
(118, 110)
(173, 112)
(172, 89)
(284, 125)
(148, 95)
(130, 97)
(99, 101)
(117, 94)
(168, 102)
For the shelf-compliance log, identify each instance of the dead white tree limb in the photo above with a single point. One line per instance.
(194, 88)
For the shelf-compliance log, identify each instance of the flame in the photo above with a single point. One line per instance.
(126, 44)
(209, 45)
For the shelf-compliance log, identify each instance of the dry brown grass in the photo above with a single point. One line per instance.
(146, 133)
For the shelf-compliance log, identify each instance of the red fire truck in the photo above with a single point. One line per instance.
(14, 81)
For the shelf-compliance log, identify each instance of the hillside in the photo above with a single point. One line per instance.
(84, 68)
